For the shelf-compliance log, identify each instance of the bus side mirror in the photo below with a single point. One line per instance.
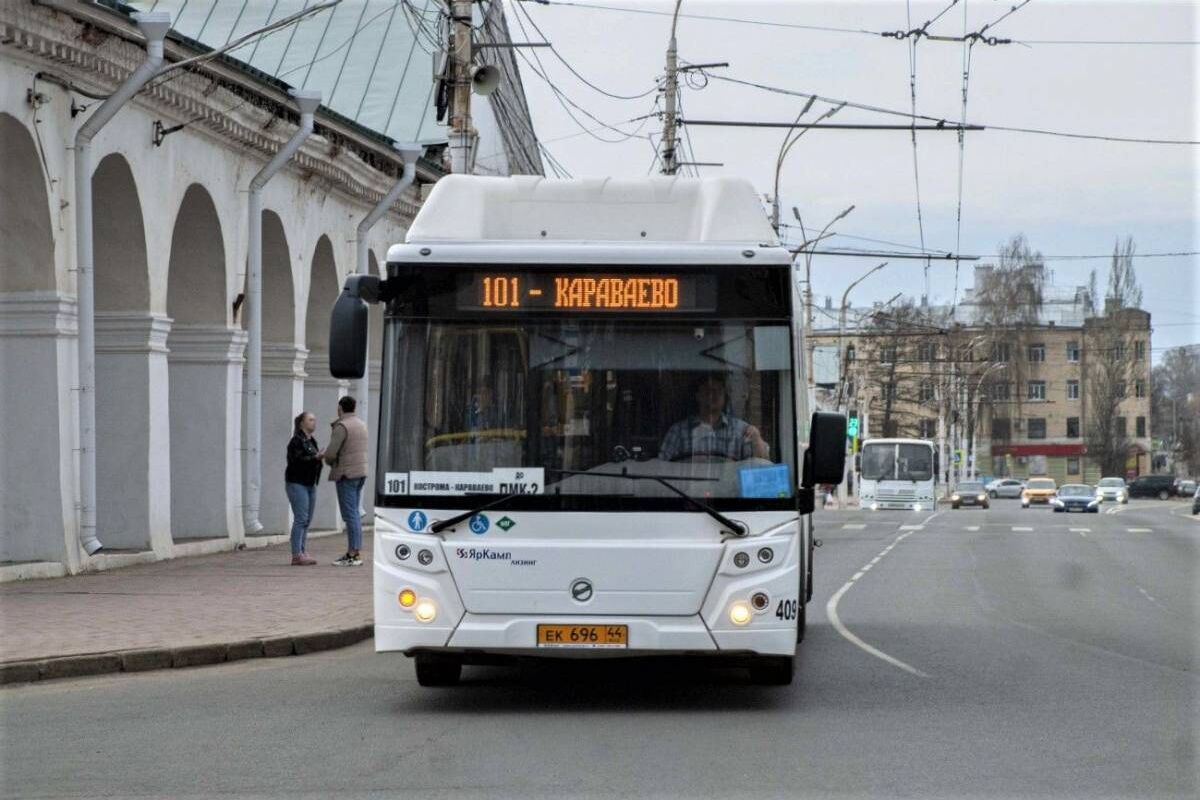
(825, 458)
(348, 327)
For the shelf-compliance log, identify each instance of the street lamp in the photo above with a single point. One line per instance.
(808, 295)
(785, 148)
(842, 406)
(842, 326)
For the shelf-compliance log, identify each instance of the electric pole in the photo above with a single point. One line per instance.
(669, 162)
(462, 132)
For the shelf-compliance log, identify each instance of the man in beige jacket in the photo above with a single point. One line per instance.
(347, 455)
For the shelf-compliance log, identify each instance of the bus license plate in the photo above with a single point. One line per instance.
(593, 636)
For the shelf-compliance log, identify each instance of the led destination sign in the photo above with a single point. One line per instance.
(546, 291)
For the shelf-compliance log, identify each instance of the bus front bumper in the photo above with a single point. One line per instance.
(517, 636)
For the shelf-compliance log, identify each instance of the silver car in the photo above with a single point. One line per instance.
(1005, 487)
(1112, 490)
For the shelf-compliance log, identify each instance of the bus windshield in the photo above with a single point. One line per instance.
(563, 407)
(897, 462)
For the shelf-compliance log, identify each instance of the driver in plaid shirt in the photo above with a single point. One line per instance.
(712, 432)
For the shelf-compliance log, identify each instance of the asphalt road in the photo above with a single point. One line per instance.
(970, 658)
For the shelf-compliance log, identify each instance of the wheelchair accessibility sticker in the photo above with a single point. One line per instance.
(479, 524)
(417, 521)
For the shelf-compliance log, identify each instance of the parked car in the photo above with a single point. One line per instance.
(1160, 486)
(1076, 497)
(969, 493)
(1038, 490)
(1185, 488)
(1196, 502)
(1112, 489)
(1005, 487)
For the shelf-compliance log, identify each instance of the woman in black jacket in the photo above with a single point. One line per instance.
(300, 481)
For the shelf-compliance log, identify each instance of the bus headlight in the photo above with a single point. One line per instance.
(916, 506)
(874, 506)
(740, 613)
(425, 611)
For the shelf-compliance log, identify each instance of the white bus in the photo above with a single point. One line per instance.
(897, 473)
(588, 438)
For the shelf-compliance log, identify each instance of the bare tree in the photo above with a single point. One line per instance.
(1009, 308)
(1174, 403)
(1109, 359)
(900, 363)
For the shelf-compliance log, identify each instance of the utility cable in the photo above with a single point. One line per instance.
(967, 47)
(575, 72)
(925, 117)
(712, 18)
(912, 91)
(565, 100)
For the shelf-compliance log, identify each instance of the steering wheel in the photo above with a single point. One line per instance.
(707, 456)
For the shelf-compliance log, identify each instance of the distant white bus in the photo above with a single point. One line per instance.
(897, 473)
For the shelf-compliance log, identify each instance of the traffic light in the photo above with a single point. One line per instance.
(852, 427)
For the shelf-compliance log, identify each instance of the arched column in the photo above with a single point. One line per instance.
(206, 362)
(38, 328)
(283, 372)
(133, 491)
(321, 391)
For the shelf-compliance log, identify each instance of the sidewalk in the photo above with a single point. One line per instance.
(184, 612)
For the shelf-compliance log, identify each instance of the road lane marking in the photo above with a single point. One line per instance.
(1082, 531)
(1018, 528)
(1186, 508)
(835, 620)
(854, 526)
(972, 527)
(1147, 595)
(1140, 530)
(912, 527)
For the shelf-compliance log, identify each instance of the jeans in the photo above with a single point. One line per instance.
(304, 501)
(349, 493)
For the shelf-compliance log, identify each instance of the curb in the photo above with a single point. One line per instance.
(85, 664)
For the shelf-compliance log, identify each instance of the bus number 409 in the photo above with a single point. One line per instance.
(787, 609)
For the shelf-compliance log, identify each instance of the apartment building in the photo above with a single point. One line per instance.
(1017, 398)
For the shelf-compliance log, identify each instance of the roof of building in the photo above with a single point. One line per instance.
(371, 60)
(642, 211)
(1061, 306)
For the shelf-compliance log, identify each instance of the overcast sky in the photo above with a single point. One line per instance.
(1067, 196)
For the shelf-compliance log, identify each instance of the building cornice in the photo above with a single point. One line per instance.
(106, 49)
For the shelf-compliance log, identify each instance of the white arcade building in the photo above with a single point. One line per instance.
(170, 185)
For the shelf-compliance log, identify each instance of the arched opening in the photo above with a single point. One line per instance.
(321, 391)
(205, 376)
(132, 498)
(36, 331)
(27, 257)
(283, 371)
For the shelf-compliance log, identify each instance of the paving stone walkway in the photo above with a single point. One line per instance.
(238, 597)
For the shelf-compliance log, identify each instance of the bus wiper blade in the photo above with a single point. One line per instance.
(737, 529)
(442, 525)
